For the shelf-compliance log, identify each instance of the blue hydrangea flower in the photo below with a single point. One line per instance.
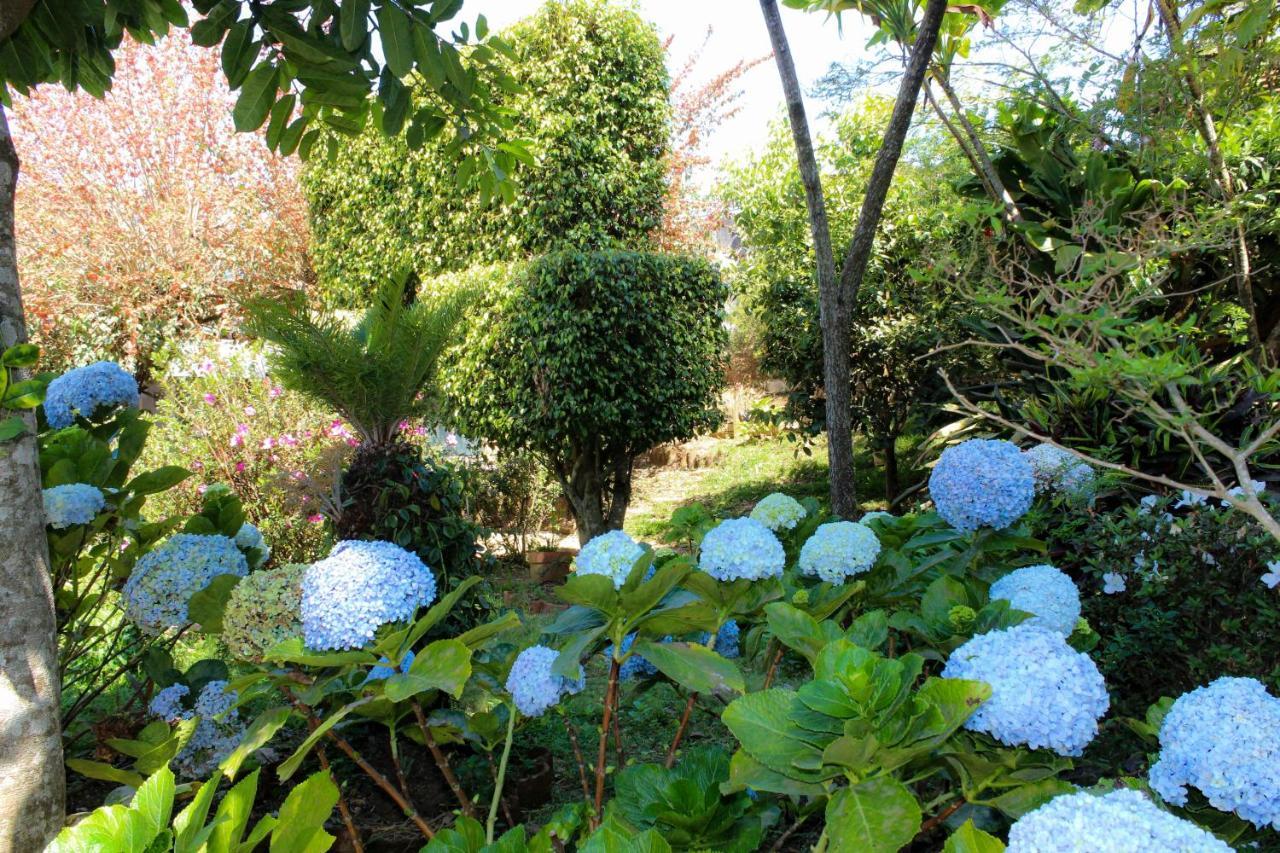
(877, 515)
(1113, 583)
(216, 735)
(1044, 694)
(358, 588)
(163, 580)
(380, 673)
(72, 503)
(167, 703)
(85, 390)
(982, 483)
(1044, 591)
(1058, 470)
(611, 554)
(249, 537)
(634, 666)
(779, 512)
(1123, 821)
(1225, 740)
(533, 685)
(727, 640)
(839, 550)
(741, 548)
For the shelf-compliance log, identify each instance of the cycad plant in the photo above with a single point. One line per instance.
(378, 373)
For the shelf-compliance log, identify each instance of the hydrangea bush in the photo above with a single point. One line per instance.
(1043, 591)
(163, 581)
(1224, 740)
(358, 588)
(1044, 694)
(741, 549)
(839, 550)
(71, 504)
(982, 483)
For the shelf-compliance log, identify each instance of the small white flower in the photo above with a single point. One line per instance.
(1112, 583)
(1190, 499)
(1272, 577)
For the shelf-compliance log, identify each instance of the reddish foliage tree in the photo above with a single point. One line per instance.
(690, 216)
(144, 216)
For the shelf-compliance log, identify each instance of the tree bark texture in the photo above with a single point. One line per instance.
(596, 483)
(834, 302)
(977, 152)
(31, 774)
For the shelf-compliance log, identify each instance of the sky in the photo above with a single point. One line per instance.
(737, 32)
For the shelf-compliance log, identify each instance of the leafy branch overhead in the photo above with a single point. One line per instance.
(301, 66)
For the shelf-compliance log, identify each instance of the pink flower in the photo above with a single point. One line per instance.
(197, 465)
(239, 467)
(299, 475)
(268, 443)
(202, 488)
(288, 440)
(403, 426)
(275, 391)
(241, 433)
(204, 368)
(250, 411)
(210, 399)
(353, 442)
(315, 518)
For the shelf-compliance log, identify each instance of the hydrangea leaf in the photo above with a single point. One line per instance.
(969, 839)
(160, 480)
(574, 619)
(232, 816)
(797, 630)
(613, 836)
(207, 606)
(303, 814)
(292, 651)
(591, 591)
(113, 827)
(745, 772)
(442, 665)
(105, 772)
(762, 724)
(876, 816)
(255, 737)
(189, 824)
(645, 596)
(694, 667)
(1026, 798)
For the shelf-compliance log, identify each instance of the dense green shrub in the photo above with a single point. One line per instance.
(590, 359)
(600, 140)
(1192, 607)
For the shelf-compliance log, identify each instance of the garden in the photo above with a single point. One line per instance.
(423, 434)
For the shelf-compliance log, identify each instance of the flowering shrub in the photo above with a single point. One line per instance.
(71, 504)
(532, 684)
(263, 610)
(157, 591)
(217, 732)
(1059, 470)
(1123, 820)
(1044, 694)
(982, 483)
(839, 550)
(88, 391)
(778, 512)
(633, 667)
(357, 589)
(611, 554)
(1043, 591)
(1223, 739)
(741, 549)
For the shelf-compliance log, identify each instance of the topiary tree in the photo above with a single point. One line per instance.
(600, 141)
(589, 359)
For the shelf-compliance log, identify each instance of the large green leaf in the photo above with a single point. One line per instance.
(159, 480)
(353, 23)
(302, 817)
(189, 824)
(646, 596)
(154, 800)
(480, 635)
(969, 839)
(233, 815)
(762, 724)
(111, 827)
(105, 772)
(293, 651)
(255, 737)
(442, 665)
(206, 607)
(694, 667)
(256, 98)
(397, 38)
(745, 772)
(591, 591)
(613, 836)
(797, 630)
(879, 815)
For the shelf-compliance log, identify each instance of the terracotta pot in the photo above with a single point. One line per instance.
(531, 787)
(549, 566)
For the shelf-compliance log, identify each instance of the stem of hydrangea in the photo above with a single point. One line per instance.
(502, 776)
(345, 812)
(493, 774)
(774, 656)
(442, 762)
(688, 711)
(577, 754)
(610, 699)
(941, 816)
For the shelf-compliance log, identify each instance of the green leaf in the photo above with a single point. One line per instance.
(397, 38)
(745, 772)
(233, 815)
(189, 824)
(613, 836)
(568, 662)
(255, 737)
(256, 98)
(292, 651)
(12, 427)
(238, 52)
(590, 591)
(969, 839)
(111, 827)
(1027, 798)
(302, 817)
(694, 667)
(291, 765)
(353, 23)
(105, 772)
(20, 355)
(206, 607)
(876, 816)
(797, 630)
(154, 800)
(442, 665)
(762, 724)
(480, 635)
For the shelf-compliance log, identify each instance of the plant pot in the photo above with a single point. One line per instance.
(531, 785)
(549, 566)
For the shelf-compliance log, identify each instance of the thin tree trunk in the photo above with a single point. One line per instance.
(834, 310)
(889, 445)
(1221, 176)
(978, 151)
(961, 142)
(31, 775)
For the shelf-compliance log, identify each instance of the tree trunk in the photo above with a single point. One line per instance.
(889, 446)
(834, 308)
(31, 774)
(598, 501)
(978, 154)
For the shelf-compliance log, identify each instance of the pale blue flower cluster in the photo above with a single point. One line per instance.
(611, 554)
(741, 548)
(249, 537)
(634, 666)
(533, 685)
(1225, 740)
(380, 673)
(163, 580)
(358, 588)
(1113, 583)
(982, 483)
(1044, 591)
(727, 640)
(1044, 694)
(1060, 470)
(85, 390)
(838, 550)
(71, 504)
(877, 515)
(1123, 821)
(779, 512)
(217, 733)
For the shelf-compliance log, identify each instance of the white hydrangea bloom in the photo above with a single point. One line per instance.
(1123, 821)
(611, 554)
(1044, 591)
(741, 548)
(839, 550)
(779, 512)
